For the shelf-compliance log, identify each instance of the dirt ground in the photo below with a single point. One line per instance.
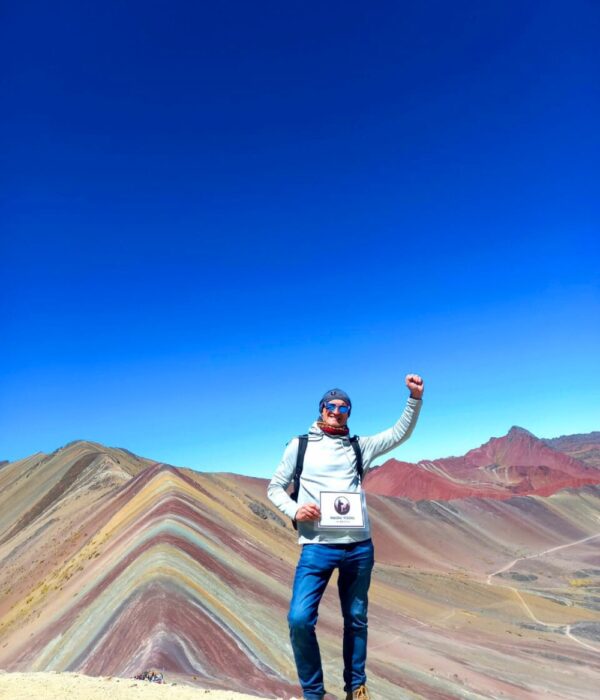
(64, 686)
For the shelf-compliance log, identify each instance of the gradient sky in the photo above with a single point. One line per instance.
(213, 212)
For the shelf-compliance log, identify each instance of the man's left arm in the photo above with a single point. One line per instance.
(376, 445)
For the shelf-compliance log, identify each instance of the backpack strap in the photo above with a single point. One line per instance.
(302, 443)
(359, 459)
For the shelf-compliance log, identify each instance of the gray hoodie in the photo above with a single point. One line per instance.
(330, 465)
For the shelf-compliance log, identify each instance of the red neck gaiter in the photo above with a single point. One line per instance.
(332, 429)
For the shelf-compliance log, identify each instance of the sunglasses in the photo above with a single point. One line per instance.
(332, 406)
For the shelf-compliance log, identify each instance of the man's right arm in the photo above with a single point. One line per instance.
(283, 477)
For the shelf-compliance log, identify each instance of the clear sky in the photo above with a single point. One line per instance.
(211, 213)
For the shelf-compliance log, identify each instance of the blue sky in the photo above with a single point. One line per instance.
(213, 213)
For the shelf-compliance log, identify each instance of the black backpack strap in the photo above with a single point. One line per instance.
(302, 443)
(359, 459)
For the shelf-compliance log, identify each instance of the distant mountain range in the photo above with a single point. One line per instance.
(585, 447)
(487, 581)
(517, 464)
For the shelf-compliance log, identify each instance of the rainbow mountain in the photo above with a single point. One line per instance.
(112, 563)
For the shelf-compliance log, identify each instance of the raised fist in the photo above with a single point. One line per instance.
(415, 385)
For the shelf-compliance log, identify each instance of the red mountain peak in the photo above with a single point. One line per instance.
(518, 433)
(516, 463)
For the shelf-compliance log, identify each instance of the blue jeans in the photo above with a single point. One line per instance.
(316, 564)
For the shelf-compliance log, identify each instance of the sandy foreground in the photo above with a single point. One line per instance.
(62, 686)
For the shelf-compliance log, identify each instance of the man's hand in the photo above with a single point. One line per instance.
(309, 511)
(415, 385)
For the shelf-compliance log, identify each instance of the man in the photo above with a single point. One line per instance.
(330, 466)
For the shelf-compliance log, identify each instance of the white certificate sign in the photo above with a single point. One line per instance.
(342, 509)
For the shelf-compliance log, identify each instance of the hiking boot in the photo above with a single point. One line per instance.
(360, 693)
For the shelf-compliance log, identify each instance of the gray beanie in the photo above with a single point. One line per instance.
(335, 394)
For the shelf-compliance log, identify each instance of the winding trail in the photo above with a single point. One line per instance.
(565, 628)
